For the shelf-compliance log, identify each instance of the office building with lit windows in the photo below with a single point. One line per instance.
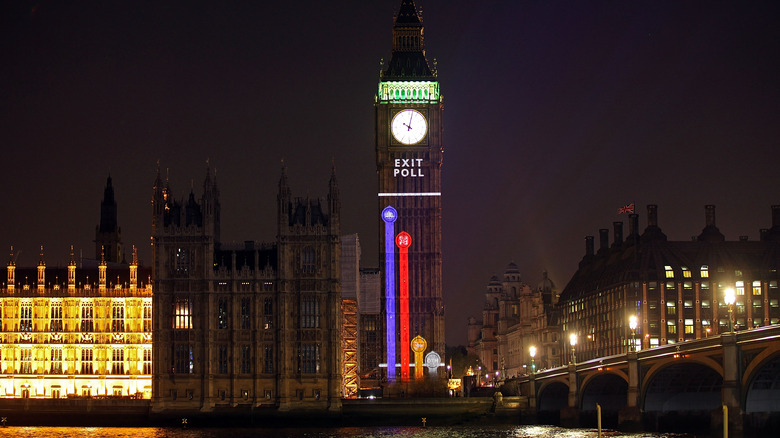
(677, 290)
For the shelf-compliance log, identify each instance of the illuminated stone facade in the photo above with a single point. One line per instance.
(409, 174)
(73, 332)
(515, 317)
(252, 325)
(676, 289)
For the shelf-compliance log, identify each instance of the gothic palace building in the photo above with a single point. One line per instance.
(257, 324)
(80, 331)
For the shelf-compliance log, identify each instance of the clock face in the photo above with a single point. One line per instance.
(409, 126)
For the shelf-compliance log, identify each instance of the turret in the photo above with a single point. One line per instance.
(72, 270)
(11, 271)
(102, 269)
(334, 200)
(134, 270)
(41, 272)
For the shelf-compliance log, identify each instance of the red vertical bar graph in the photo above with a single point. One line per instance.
(403, 240)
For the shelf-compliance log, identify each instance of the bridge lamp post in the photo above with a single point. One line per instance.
(532, 352)
(573, 342)
(729, 299)
(632, 323)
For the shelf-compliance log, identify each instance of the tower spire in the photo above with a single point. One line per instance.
(408, 62)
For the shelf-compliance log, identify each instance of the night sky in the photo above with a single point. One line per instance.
(556, 114)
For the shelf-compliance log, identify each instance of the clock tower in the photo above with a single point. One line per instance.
(408, 114)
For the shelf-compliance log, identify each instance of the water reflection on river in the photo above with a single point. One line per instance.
(481, 431)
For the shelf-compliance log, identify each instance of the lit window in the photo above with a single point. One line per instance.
(182, 314)
(705, 284)
(86, 361)
(670, 308)
(756, 288)
(56, 317)
(737, 273)
(87, 314)
(705, 304)
(705, 272)
(686, 272)
(118, 361)
(688, 304)
(147, 369)
(669, 271)
(56, 361)
(671, 327)
(118, 317)
(26, 361)
(25, 318)
(740, 288)
(147, 318)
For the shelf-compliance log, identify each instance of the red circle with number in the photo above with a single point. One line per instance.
(403, 239)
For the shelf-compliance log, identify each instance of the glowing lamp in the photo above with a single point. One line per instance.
(572, 339)
(532, 351)
(632, 322)
(729, 297)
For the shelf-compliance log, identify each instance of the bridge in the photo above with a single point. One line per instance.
(684, 384)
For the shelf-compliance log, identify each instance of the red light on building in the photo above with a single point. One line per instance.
(404, 240)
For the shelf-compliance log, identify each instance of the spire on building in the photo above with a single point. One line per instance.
(408, 62)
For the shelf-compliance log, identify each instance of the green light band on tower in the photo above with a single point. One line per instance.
(411, 91)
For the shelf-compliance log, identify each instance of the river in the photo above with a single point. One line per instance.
(468, 431)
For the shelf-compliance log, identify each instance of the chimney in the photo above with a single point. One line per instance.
(618, 227)
(588, 246)
(652, 215)
(776, 216)
(603, 239)
(762, 233)
(633, 224)
(709, 214)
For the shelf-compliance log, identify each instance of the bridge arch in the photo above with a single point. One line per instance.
(608, 389)
(682, 386)
(553, 395)
(762, 383)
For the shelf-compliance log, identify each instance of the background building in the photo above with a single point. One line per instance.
(515, 317)
(676, 289)
(251, 324)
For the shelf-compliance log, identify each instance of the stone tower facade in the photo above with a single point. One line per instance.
(108, 234)
(409, 147)
(255, 324)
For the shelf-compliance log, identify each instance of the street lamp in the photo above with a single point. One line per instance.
(729, 299)
(573, 342)
(532, 352)
(632, 323)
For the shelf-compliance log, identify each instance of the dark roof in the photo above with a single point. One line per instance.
(647, 262)
(407, 13)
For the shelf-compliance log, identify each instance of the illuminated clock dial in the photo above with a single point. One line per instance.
(409, 126)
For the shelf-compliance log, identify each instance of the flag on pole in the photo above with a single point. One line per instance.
(627, 209)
